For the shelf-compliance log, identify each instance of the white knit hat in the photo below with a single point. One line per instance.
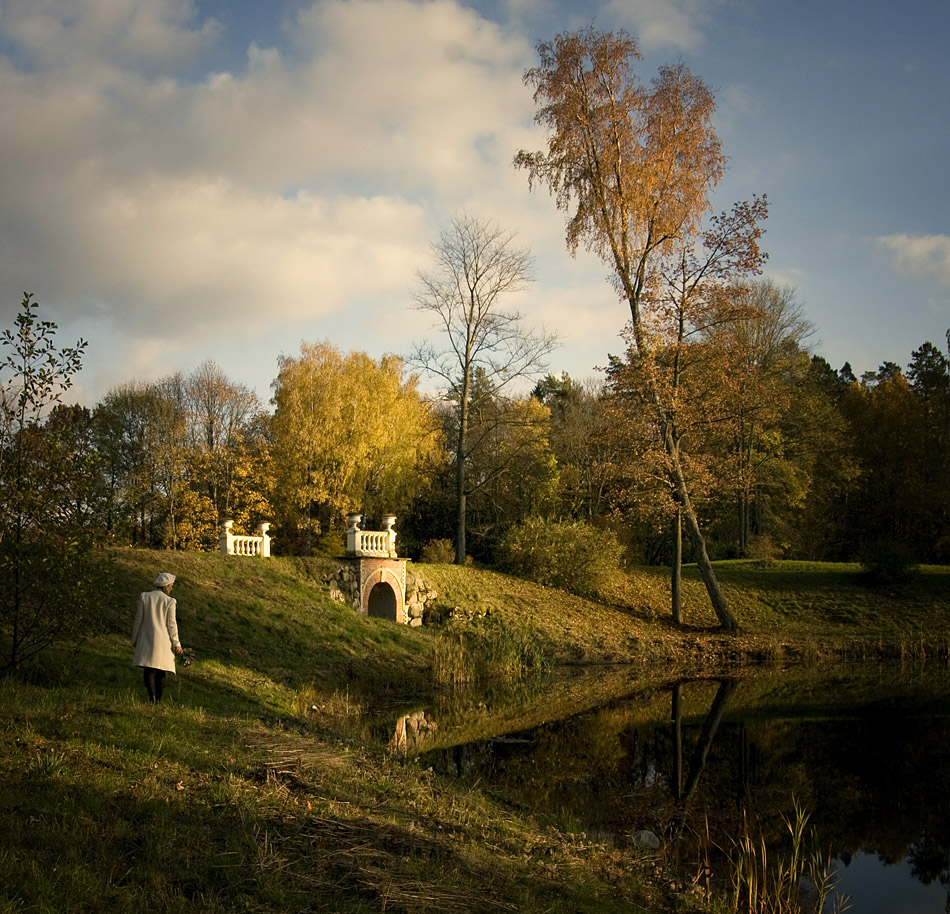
(164, 579)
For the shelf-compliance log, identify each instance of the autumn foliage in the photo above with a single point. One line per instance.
(716, 419)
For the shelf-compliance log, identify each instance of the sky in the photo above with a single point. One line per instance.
(194, 180)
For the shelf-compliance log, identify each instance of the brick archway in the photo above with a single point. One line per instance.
(386, 573)
(373, 553)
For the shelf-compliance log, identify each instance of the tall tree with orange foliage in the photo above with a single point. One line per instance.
(633, 167)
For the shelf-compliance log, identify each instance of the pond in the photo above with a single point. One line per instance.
(866, 752)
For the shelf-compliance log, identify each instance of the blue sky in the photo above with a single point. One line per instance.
(183, 180)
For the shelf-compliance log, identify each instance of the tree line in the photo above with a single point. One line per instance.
(784, 455)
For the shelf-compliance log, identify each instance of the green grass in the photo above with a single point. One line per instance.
(110, 804)
(786, 610)
(255, 786)
(252, 788)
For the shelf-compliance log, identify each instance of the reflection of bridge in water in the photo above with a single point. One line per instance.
(411, 732)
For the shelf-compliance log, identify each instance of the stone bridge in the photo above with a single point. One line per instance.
(380, 574)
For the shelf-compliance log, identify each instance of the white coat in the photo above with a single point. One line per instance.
(155, 631)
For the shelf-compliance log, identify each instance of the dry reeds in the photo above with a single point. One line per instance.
(493, 654)
(799, 884)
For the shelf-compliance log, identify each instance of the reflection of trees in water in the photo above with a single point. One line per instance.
(876, 781)
(708, 733)
(879, 784)
(608, 771)
(930, 858)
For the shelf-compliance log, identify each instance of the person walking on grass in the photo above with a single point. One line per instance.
(155, 635)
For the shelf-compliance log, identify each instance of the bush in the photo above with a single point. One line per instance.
(763, 549)
(571, 555)
(438, 552)
(887, 561)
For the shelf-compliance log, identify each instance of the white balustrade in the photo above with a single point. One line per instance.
(232, 544)
(371, 543)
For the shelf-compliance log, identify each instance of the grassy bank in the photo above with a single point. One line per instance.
(255, 786)
(786, 611)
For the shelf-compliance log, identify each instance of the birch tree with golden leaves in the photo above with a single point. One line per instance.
(349, 434)
(632, 166)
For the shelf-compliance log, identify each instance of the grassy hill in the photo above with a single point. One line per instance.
(254, 787)
(786, 611)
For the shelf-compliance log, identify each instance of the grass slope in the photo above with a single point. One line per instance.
(252, 788)
(786, 610)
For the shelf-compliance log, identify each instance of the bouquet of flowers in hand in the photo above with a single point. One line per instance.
(186, 657)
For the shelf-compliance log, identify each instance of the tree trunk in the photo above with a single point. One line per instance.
(460, 546)
(677, 570)
(742, 499)
(460, 506)
(726, 619)
(743, 522)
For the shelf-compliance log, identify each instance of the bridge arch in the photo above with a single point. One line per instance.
(383, 593)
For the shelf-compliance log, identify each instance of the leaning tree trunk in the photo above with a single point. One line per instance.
(726, 619)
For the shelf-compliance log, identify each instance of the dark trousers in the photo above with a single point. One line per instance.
(154, 683)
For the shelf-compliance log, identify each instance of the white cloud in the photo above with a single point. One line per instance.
(306, 185)
(89, 33)
(198, 254)
(921, 256)
(662, 24)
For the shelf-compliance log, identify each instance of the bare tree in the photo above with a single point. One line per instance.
(476, 264)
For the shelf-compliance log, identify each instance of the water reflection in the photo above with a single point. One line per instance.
(703, 745)
(411, 732)
(868, 755)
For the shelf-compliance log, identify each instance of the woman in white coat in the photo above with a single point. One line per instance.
(155, 635)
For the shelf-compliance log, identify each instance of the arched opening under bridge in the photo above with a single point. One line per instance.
(382, 603)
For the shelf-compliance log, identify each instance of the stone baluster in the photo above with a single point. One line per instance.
(227, 538)
(233, 544)
(390, 533)
(265, 539)
(353, 533)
